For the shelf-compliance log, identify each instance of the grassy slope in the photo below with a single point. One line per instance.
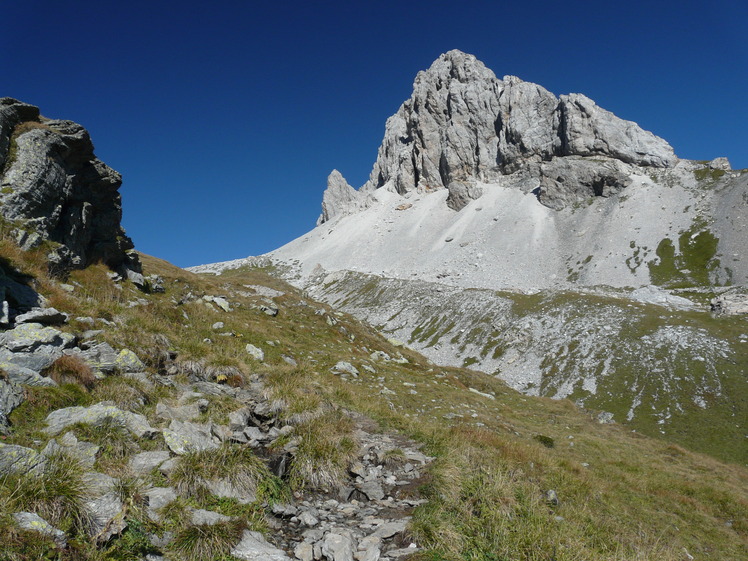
(680, 373)
(621, 495)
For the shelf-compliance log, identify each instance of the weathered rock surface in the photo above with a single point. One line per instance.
(35, 523)
(100, 357)
(184, 437)
(107, 516)
(254, 547)
(45, 316)
(19, 459)
(137, 424)
(52, 182)
(11, 396)
(159, 497)
(30, 348)
(128, 361)
(68, 444)
(144, 462)
(730, 304)
(29, 337)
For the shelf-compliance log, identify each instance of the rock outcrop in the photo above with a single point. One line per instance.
(339, 197)
(463, 125)
(53, 187)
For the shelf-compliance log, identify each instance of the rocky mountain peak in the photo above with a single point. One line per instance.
(463, 126)
(454, 65)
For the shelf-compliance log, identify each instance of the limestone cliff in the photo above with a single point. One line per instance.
(53, 187)
(462, 125)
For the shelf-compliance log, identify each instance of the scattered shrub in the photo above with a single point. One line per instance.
(546, 441)
(70, 369)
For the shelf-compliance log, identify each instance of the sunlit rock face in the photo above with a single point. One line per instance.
(54, 187)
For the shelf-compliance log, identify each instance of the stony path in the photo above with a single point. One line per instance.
(367, 519)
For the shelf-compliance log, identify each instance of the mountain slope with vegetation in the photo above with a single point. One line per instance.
(513, 476)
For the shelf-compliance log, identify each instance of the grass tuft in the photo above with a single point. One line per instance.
(325, 452)
(205, 542)
(238, 464)
(58, 493)
(70, 369)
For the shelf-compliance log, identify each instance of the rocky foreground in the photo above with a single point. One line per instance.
(363, 515)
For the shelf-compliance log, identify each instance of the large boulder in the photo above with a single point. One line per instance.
(54, 185)
(59, 420)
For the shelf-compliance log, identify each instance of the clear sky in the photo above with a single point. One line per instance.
(226, 117)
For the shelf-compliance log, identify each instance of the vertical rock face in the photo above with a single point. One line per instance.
(339, 197)
(445, 132)
(584, 129)
(462, 125)
(51, 182)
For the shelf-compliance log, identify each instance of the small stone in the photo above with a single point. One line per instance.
(255, 352)
(551, 497)
(307, 519)
(34, 523)
(254, 547)
(304, 552)
(373, 490)
(269, 310)
(284, 510)
(202, 517)
(389, 529)
(345, 367)
(338, 547)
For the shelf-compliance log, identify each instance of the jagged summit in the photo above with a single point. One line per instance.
(462, 125)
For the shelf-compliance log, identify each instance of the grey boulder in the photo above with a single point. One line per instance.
(183, 437)
(45, 316)
(254, 547)
(34, 523)
(59, 420)
(11, 396)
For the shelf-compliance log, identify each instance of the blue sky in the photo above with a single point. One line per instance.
(225, 118)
